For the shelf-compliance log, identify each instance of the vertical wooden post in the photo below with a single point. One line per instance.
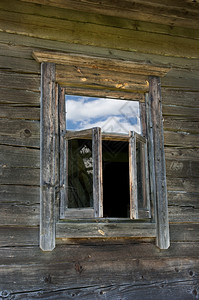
(133, 176)
(48, 156)
(151, 164)
(63, 153)
(97, 172)
(159, 162)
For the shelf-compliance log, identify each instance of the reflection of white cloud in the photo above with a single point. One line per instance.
(110, 114)
(112, 124)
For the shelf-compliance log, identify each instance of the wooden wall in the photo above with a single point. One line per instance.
(94, 269)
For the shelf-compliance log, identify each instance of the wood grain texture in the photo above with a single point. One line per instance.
(19, 194)
(159, 161)
(134, 212)
(19, 96)
(180, 111)
(98, 268)
(182, 98)
(19, 133)
(28, 82)
(182, 153)
(33, 44)
(174, 273)
(181, 139)
(189, 169)
(96, 35)
(105, 93)
(183, 184)
(19, 236)
(184, 124)
(184, 15)
(20, 113)
(29, 236)
(49, 153)
(97, 63)
(63, 146)
(97, 172)
(21, 157)
(26, 176)
(105, 229)
(19, 215)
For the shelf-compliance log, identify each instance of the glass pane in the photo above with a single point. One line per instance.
(141, 190)
(116, 197)
(111, 115)
(80, 173)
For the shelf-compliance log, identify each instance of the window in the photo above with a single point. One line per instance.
(75, 162)
(121, 160)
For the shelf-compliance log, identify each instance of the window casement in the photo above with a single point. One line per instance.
(83, 153)
(66, 212)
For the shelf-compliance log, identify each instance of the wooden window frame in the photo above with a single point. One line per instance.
(76, 74)
(97, 138)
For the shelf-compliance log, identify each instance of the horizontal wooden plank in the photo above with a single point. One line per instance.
(94, 250)
(163, 13)
(29, 236)
(19, 236)
(19, 112)
(105, 93)
(64, 60)
(181, 79)
(80, 230)
(97, 35)
(183, 214)
(181, 111)
(13, 50)
(73, 77)
(26, 176)
(34, 43)
(184, 139)
(184, 233)
(181, 98)
(15, 96)
(183, 184)
(87, 134)
(180, 153)
(19, 195)
(184, 289)
(19, 215)
(19, 133)
(182, 123)
(23, 157)
(163, 275)
(177, 168)
(16, 64)
(94, 18)
(13, 80)
(182, 198)
(183, 206)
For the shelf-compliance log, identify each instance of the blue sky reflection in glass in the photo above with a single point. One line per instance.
(111, 115)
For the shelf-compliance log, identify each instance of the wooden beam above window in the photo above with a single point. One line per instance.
(101, 74)
(99, 63)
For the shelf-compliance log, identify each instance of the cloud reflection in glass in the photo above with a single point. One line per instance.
(111, 115)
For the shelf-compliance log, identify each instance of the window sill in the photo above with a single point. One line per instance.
(105, 229)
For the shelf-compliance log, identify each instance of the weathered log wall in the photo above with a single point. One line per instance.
(92, 269)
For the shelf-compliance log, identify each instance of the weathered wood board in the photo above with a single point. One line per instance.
(97, 268)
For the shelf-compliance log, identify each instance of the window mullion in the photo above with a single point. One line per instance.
(97, 171)
(133, 176)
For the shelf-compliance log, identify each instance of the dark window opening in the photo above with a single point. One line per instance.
(80, 173)
(116, 196)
